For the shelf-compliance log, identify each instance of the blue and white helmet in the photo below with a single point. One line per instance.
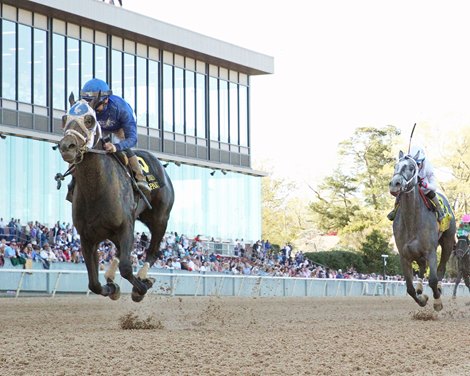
(93, 87)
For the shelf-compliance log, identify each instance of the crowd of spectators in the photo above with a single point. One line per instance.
(35, 242)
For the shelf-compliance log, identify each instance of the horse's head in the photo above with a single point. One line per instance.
(80, 129)
(461, 248)
(405, 176)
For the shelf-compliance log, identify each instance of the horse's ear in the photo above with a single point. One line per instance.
(416, 156)
(71, 99)
(400, 155)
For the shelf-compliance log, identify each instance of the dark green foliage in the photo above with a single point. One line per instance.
(368, 260)
(374, 246)
(338, 259)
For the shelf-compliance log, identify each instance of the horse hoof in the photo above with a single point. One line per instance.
(114, 291)
(116, 294)
(438, 305)
(423, 300)
(136, 297)
(149, 282)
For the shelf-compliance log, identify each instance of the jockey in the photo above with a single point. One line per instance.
(117, 120)
(427, 181)
(464, 227)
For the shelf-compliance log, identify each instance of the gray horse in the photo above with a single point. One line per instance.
(417, 234)
(463, 263)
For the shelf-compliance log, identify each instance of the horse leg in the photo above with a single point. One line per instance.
(433, 281)
(457, 282)
(447, 246)
(110, 275)
(422, 269)
(466, 279)
(124, 247)
(92, 262)
(408, 274)
(157, 228)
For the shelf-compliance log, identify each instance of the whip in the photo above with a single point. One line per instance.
(411, 136)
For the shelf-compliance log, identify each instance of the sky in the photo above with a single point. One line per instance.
(338, 65)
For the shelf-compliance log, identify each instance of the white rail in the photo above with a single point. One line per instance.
(51, 282)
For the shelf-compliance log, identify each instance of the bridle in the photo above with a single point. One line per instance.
(460, 252)
(87, 137)
(411, 183)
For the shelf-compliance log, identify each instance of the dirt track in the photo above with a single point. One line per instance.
(233, 336)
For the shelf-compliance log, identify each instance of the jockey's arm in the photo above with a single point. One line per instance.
(129, 126)
(429, 180)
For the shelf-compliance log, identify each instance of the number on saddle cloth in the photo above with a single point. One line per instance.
(153, 179)
(445, 223)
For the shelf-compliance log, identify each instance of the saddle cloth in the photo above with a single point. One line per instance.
(445, 223)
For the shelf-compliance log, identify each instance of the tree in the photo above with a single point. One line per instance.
(354, 199)
(456, 161)
(369, 153)
(281, 221)
(374, 246)
(335, 204)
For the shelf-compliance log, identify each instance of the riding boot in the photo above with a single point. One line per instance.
(440, 213)
(392, 214)
(139, 176)
(70, 187)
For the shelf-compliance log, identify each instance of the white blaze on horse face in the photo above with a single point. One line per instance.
(78, 113)
(404, 172)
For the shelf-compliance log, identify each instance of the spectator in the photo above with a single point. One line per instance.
(339, 274)
(13, 253)
(177, 264)
(2, 252)
(2, 228)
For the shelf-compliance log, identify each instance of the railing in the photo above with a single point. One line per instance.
(16, 282)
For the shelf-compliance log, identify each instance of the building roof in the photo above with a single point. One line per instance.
(127, 24)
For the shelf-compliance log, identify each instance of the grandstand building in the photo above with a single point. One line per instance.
(190, 93)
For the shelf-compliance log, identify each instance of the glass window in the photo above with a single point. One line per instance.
(116, 73)
(201, 105)
(24, 64)
(73, 64)
(233, 113)
(100, 62)
(179, 100)
(223, 108)
(40, 67)
(86, 64)
(141, 106)
(9, 60)
(153, 94)
(190, 104)
(167, 98)
(58, 71)
(243, 115)
(214, 108)
(129, 79)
